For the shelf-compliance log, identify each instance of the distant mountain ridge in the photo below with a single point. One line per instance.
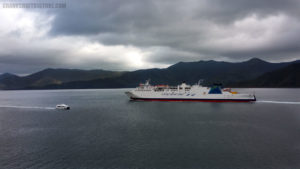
(288, 76)
(52, 77)
(230, 74)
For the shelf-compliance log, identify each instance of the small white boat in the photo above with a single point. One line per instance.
(62, 107)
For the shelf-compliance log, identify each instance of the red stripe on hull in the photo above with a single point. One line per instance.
(194, 100)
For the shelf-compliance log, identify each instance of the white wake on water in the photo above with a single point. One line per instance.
(276, 102)
(27, 107)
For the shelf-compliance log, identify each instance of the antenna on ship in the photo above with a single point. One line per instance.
(200, 82)
(148, 82)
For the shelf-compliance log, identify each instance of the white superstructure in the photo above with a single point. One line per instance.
(184, 92)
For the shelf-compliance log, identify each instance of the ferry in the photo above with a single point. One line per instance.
(184, 92)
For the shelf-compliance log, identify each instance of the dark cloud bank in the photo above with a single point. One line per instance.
(175, 30)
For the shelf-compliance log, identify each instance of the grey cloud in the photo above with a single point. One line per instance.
(175, 30)
(119, 16)
(181, 25)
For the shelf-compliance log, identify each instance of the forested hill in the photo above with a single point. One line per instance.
(249, 73)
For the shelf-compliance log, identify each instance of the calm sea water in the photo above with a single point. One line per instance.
(104, 129)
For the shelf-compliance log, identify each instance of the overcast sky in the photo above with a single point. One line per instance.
(138, 34)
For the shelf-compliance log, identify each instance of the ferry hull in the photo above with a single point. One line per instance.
(133, 96)
(193, 100)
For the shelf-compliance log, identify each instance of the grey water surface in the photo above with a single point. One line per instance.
(104, 129)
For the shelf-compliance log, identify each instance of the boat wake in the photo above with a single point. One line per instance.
(277, 102)
(26, 107)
